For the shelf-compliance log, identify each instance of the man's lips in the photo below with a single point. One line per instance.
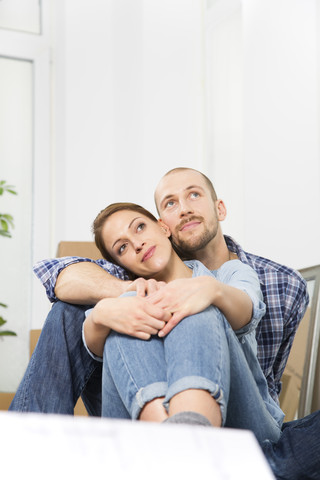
(148, 254)
(189, 225)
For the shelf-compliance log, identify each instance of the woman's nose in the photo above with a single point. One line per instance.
(138, 246)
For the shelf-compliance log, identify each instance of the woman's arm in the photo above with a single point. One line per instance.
(130, 315)
(186, 297)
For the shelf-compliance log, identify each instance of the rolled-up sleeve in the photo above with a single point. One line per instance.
(243, 277)
(95, 357)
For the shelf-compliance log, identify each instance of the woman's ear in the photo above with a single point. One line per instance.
(165, 228)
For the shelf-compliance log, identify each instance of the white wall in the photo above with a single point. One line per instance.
(138, 90)
(263, 57)
(281, 129)
(129, 102)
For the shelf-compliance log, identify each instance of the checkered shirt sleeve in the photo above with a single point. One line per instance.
(48, 270)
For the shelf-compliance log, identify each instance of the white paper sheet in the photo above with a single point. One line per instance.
(56, 447)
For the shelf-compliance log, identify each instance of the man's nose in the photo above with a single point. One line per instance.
(185, 208)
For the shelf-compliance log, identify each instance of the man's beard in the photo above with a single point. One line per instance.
(186, 248)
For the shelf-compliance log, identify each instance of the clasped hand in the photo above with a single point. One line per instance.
(168, 304)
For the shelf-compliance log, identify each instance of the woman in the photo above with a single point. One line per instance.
(202, 365)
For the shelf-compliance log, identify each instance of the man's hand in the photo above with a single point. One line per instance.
(145, 287)
(184, 297)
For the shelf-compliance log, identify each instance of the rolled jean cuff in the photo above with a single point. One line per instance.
(145, 395)
(199, 383)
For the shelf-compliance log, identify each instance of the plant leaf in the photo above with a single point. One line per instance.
(5, 234)
(3, 305)
(4, 187)
(4, 224)
(7, 218)
(7, 333)
(2, 321)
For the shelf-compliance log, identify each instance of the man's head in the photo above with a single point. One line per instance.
(187, 202)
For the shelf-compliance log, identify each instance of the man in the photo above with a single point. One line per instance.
(187, 203)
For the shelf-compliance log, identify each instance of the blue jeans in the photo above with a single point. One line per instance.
(61, 370)
(201, 352)
(296, 456)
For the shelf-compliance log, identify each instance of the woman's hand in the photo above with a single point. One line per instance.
(184, 297)
(145, 287)
(187, 296)
(132, 316)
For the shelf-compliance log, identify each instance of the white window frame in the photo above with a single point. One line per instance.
(36, 49)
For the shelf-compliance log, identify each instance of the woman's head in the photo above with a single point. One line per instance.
(130, 236)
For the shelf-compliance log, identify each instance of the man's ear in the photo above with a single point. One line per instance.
(221, 210)
(165, 228)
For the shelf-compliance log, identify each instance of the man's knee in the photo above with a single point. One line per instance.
(66, 313)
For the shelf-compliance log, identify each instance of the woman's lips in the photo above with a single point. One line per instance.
(148, 253)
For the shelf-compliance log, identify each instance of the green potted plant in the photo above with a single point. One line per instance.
(6, 224)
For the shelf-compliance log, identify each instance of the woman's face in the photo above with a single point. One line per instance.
(137, 243)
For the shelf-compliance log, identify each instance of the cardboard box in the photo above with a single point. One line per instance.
(292, 375)
(5, 400)
(78, 249)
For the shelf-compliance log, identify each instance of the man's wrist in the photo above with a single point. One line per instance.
(113, 288)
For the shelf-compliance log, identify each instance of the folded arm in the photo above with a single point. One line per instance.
(87, 283)
(81, 280)
(129, 315)
(189, 296)
(235, 291)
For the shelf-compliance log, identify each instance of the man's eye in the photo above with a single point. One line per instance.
(140, 227)
(169, 204)
(194, 195)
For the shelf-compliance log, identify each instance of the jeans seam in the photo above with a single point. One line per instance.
(125, 362)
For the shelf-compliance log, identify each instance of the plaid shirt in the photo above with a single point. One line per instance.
(284, 293)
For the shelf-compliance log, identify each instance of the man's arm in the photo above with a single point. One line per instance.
(81, 280)
(86, 283)
(295, 306)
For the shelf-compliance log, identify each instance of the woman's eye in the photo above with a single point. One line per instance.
(140, 227)
(122, 248)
